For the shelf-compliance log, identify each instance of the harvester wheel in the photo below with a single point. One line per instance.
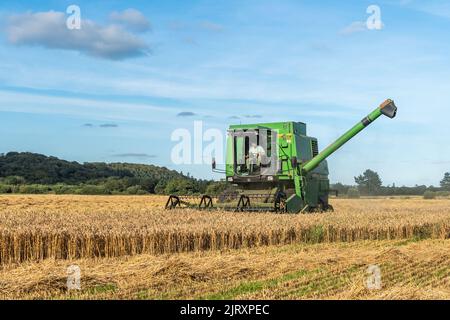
(325, 206)
(280, 202)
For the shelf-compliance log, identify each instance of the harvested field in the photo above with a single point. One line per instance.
(410, 269)
(75, 227)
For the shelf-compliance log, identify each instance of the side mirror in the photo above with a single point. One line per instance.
(294, 162)
(213, 164)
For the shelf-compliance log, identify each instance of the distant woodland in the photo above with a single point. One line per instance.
(31, 173)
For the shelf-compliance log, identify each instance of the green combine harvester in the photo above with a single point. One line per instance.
(276, 167)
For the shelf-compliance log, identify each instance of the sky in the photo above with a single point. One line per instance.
(116, 89)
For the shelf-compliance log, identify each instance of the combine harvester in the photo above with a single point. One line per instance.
(276, 167)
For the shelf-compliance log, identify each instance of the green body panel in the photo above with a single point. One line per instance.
(292, 141)
(301, 171)
(294, 203)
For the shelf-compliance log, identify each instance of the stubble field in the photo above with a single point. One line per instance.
(129, 247)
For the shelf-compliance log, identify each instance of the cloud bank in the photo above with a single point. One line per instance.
(49, 30)
(109, 125)
(135, 155)
(186, 114)
(131, 19)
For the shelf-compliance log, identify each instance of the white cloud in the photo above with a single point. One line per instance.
(356, 26)
(48, 29)
(135, 155)
(81, 107)
(131, 19)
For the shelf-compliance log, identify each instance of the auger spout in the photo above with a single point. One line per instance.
(387, 108)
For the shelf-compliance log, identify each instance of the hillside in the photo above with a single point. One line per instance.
(25, 172)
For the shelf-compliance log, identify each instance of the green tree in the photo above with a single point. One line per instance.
(113, 184)
(135, 190)
(4, 188)
(216, 187)
(92, 189)
(340, 188)
(369, 183)
(34, 189)
(160, 187)
(180, 187)
(445, 183)
(15, 180)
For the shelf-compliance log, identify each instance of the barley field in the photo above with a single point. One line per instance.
(71, 227)
(130, 247)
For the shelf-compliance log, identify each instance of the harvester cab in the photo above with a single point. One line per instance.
(277, 167)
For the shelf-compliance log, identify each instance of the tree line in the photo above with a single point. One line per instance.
(369, 184)
(25, 172)
(36, 173)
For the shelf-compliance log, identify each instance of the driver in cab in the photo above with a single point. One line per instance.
(255, 154)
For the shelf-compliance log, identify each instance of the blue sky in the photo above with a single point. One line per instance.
(114, 93)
